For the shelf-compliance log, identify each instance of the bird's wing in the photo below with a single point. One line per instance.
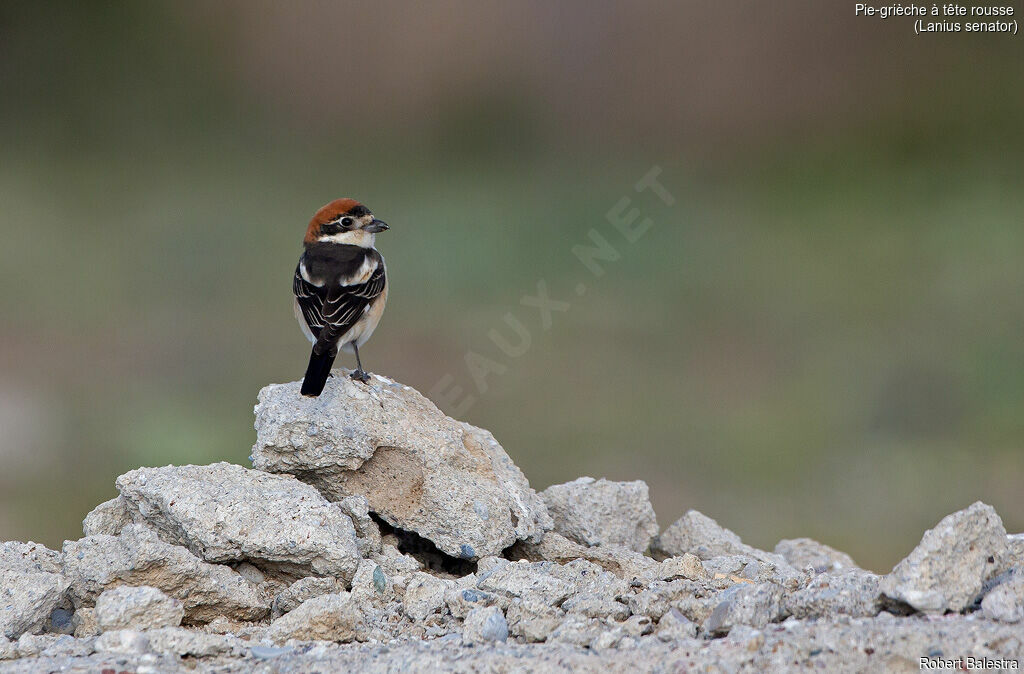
(311, 301)
(344, 304)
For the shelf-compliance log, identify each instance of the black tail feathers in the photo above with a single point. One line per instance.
(319, 369)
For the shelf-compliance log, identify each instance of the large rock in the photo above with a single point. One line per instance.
(31, 587)
(138, 557)
(420, 470)
(602, 512)
(227, 513)
(947, 569)
(137, 608)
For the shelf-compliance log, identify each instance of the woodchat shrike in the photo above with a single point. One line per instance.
(340, 287)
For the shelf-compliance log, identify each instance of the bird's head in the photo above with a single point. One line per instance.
(344, 221)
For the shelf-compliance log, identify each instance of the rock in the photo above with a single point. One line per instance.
(595, 606)
(372, 585)
(107, 518)
(31, 587)
(138, 557)
(8, 650)
(533, 619)
(124, 642)
(686, 566)
(396, 563)
(53, 645)
(461, 600)
(84, 622)
(554, 547)
(743, 604)
(420, 470)
(227, 513)
(1005, 602)
(700, 535)
(532, 580)
(61, 621)
(578, 631)
(1015, 549)
(657, 598)
(733, 567)
(331, 617)
(848, 592)
(948, 567)
(368, 536)
(303, 590)
(424, 595)
(484, 625)
(601, 512)
(181, 643)
(674, 626)
(137, 608)
(804, 552)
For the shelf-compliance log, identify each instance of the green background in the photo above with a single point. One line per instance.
(821, 337)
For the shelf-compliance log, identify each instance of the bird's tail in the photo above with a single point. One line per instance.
(319, 369)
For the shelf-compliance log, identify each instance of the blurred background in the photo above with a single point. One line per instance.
(821, 337)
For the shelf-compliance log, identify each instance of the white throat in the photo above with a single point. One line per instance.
(355, 237)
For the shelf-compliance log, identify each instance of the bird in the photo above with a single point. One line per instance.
(340, 287)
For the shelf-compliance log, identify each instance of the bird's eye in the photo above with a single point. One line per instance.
(347, 222)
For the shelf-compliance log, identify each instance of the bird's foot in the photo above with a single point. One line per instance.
(359, 375)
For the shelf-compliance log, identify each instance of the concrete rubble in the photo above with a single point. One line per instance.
(377, 534)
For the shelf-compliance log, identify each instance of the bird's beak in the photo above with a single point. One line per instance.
(376, 226)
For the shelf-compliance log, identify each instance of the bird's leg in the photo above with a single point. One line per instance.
(359, 374)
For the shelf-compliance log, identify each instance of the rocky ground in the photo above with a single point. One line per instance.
(376, 534)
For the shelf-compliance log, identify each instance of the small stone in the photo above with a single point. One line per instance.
(595, 606)
(32, 586)
(743, 604)
(303, 590)
(107, 518)
(533, 620)
(554, 547)
(180, 643)
(1005, 602)
(424, 595)
(528, 579)
(8, 650)
(137, 608)
(461, 600)
(331, 617)
(802, 553)
(638, 625)
(84, 621)
(849, 592)
(123, 642)
(269, 652)
(368, 536)
(674, 626)
(948, 568)
(578, 631)
(61, 621)
(1015, 549)
(687, 566)
(602, 512)
(485, 624)
(702, 536)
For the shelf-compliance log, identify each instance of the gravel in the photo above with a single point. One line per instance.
(226, 569)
